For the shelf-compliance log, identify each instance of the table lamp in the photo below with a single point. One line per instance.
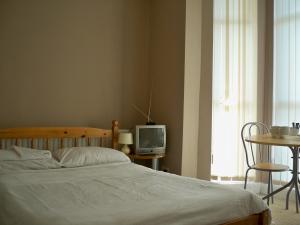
(125, 139)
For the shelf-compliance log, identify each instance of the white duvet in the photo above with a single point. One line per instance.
(117, 194)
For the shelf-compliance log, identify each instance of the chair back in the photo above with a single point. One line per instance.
(248, 130)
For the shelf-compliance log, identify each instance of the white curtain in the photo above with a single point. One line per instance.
(234, 82)
(286, 81)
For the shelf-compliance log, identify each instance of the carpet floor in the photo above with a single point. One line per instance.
(281, 216)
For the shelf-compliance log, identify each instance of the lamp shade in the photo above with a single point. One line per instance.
(125, 138)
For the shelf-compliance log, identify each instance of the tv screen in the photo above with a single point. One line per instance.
(151, 137)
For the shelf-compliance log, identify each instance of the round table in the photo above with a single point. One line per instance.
(293, 143)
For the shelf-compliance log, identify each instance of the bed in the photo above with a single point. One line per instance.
(115, 191)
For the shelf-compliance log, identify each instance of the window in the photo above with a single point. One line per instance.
(234, 82)
(286, 80)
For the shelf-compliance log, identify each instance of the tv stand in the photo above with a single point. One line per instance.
(153, 157)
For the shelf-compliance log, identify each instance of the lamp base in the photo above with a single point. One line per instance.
(125, 149)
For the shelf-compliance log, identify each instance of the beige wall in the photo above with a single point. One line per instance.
(72, 62)
(136, 54)
(86, 62)
(191, 88)
(196, 150)
(205, 114)
(167, 41)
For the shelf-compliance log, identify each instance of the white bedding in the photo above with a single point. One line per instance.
(120, 193)
(35, 164)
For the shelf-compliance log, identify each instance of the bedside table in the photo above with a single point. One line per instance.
(153, 157)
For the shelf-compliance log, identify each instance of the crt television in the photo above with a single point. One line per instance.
(150, 139)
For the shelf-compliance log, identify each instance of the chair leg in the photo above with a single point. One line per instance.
(246, 177)
(272, 197)
(269, 187)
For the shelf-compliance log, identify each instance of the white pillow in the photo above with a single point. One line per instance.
(83, 156)
(8, 155)
(30, 153)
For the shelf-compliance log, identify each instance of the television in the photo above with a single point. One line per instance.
(150, 139)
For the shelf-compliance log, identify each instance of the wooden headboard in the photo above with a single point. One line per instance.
(61, 133)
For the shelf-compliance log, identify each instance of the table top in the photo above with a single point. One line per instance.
(267, 139)
(146, 156)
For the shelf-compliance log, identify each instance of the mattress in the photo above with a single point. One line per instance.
(118, 193)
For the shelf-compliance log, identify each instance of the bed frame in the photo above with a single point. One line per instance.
(76, 133)
(262, 218)
(61, 133)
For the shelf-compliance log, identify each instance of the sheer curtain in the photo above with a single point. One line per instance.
(234, 82)
(286, 81)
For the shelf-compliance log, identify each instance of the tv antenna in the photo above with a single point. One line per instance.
(149, 106)
(147, 116)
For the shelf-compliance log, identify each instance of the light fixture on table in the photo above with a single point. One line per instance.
(125, 139)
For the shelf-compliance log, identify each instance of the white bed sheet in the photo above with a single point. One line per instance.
(120, 193)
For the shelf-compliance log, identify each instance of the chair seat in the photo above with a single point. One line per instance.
(270, 167)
